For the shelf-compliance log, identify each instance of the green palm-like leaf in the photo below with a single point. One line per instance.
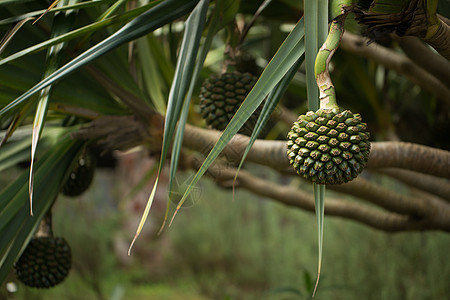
(289, 53)
(86, 31)
(152, 76)
(269, 106)
(16, 78)
(316, 19)
(32, 14)
(182, 79)
(10, 34)
(311, 49)
(18, 147)
(62, 23)
(7, 2)
(15, 123)
(159, 15)
(219, 10)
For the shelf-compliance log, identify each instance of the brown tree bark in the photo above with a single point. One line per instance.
(397, 211)
(397, 62)
(291, 196)
(408, 156)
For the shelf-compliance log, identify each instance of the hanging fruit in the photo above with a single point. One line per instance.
(331, 145)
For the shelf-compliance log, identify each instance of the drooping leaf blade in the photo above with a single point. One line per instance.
(55, 2)
(159, 15)
(289, 52)
(316, 31)
(216, 25)
(319, 202)
(85, 30)
(77, 6)
(311, 47)
(61, 24)
(182, 78)
(269, 106)
(151, 76)
(10, 34)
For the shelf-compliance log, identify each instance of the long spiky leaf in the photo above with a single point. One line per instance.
(18, 118)
(319, 199)
(319, 31)
(159, 15)
(46, 11)
(62, 23)
(216, 25)
(85, 30)
(311, 48)
(10, 34)
(183, 75)
(77, 6)
(289, 52)
(269, 106)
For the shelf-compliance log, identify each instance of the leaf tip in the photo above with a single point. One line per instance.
(46, 11)
(30, 186)
(34, 22)
(174, 214)
(315, 286)
(234, 185)
(162, 227)
(132, 244)
(30, 191)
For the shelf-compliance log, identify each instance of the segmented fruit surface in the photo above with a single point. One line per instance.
(81, 176)
(221, 96)
(45, 262)
(330, 146)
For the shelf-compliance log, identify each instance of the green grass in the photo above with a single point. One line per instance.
(247, 249)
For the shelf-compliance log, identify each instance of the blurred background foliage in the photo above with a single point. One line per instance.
(246, 249)
(218, 249)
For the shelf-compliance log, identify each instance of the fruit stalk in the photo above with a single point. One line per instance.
(45, 226)
(327, 92)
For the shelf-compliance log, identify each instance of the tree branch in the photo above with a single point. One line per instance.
(423, 207)
(265, 152)
(291, 196)
(382, 197)
(425, 58)
(399, 63)
(126, 131)
(406, 212)
(284, 115)
(123, 132)
(408, 156)
(430, 184)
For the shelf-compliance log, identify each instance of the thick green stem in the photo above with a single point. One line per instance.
(321, 67)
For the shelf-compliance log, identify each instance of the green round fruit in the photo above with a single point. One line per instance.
(329, 146)
(221, 96)
(80, 178)
(45, 262)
